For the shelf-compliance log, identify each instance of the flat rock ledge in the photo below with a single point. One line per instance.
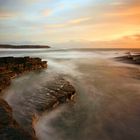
(11, 67)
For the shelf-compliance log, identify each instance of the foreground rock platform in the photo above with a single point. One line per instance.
(18, 124)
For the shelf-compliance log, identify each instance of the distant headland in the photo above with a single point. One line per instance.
(6, 46)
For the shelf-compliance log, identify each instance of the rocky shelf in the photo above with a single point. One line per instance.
(10, 67)
(52, 93)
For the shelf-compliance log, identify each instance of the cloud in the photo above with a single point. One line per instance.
(7, 15)
(123, 11)
(131, 41)
(129, 38)
(69, 23)
(79, 20)
(64, 20)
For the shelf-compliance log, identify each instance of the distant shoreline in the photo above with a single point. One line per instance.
(6, 46)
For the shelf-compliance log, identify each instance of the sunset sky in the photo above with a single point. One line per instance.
(89, 23)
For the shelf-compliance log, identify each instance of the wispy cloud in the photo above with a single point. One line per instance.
(123, 42)
(79, 20)
(69, 23)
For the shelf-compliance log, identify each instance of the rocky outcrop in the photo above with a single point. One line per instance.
(33, 103)
(130, 58)
(10, 67)
(31, 106)
(9, 128)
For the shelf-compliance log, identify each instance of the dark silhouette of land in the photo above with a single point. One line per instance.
(22, 46)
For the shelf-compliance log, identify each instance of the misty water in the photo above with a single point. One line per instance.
(107, 102)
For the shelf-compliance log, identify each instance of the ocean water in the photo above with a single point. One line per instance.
(107, 103)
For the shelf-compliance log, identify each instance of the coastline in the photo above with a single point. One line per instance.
(7, 46)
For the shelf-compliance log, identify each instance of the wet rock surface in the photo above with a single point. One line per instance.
(9, 128)
(30, 107)
(10, 67)
(17, 118)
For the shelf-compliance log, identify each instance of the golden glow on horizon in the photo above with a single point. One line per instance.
(43, 22)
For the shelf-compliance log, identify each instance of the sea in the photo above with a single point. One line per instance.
(107, 101)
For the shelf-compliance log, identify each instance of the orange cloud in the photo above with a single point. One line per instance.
(125, 11)
(7, 15)
(124, 42)
(131, 41)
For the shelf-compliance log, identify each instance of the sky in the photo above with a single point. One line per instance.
(87, 23)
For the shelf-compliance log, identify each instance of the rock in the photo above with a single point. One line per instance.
(130, 58)
(10, 67)
(55, 91)
(9, 128)
(61, 89)
(4, 81)
(52, 92)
